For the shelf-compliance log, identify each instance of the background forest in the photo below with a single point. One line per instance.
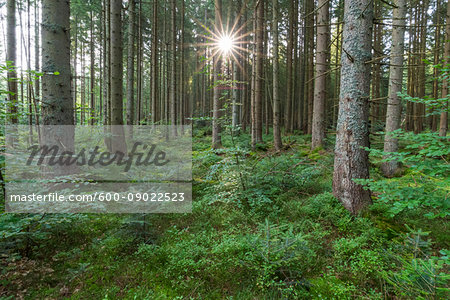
(320, 146)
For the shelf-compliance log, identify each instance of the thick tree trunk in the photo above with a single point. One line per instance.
(216, 128)
(351, 160)
(57, 101)
(394, 108)
(130, 62)
(118, 140)
(320, 87)
(56, 92)
(443, 126)
(11, 56)
(276, 97)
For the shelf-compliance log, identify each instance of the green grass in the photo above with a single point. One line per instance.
(264, 225)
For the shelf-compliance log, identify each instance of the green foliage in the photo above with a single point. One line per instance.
(263, 226)
(417, 273)
(425, 184)
(280, 257)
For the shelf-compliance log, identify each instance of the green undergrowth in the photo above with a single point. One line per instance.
(264, 225)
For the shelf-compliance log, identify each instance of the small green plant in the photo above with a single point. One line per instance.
(280, 257)
(425, 184)
(418, 273)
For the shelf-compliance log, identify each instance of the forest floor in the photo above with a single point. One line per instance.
(264, 225)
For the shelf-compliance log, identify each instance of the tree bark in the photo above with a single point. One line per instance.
(394, 108)
(173, 73)
(443, 125)
(11, 56)
(351, 160)
(130, 62)
(290, 37)
(320, 87)
(118, 139)
(154, 54)
(57, 104)
(259, 73)
(92, 70)
(310, 74)
(276, 97)
(217, 105)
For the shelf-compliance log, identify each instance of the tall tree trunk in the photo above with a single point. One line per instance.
(37, 45)
(216, 128)
(436, 60)
(351, 160)
(320, 88)
(290, 37)
(82, 86)
(118, 140)
(56, 92)
(139, 105)
(92, 69)
(376, 69)
(276, 97)
(259, 73)
(106, 61)
(130, 62)
(182, 97)
(154, 54)
(236, 95)
(11, 56)
(443, 126)
(173, 73)
(394, 108)
(310, 75)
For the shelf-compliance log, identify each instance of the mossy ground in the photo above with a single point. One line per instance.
(264, 225)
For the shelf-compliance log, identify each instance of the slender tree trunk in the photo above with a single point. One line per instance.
(106, 61)
(295, 87)
(182, 97)
(154, 54)
(37, 45)
(290, 38)
(320, 88)
(92, 69)
(443, 126)
(310, 81)
(216, 130)
(173, 75)
(376, 69)
(130, 62)
(83, 86)
(436, 60)
(276, 97)
(351, 160)
(259, 73)
(394, 108)
(11, 56)
(139, 105)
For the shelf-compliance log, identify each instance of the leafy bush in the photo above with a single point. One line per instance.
(425, 184)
